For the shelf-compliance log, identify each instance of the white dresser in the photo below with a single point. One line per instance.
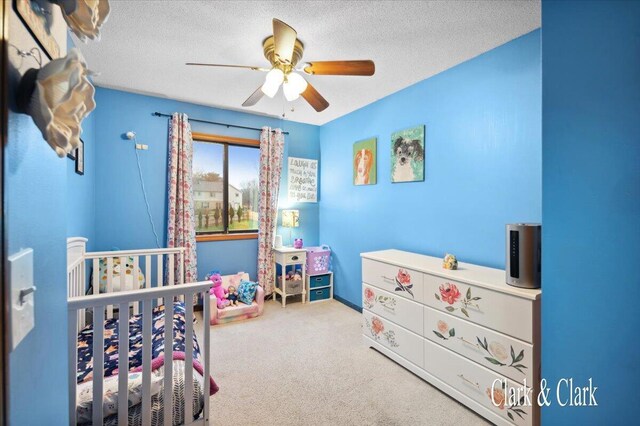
(462, 331)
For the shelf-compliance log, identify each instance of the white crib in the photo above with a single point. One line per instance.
(156, 291)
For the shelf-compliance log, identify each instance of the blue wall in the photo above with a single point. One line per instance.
(81, 189)
(483, 165)
(120, 214)
(591, 205)
(35, 196)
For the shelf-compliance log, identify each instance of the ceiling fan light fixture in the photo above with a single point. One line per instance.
(293, 86)
(284, 52)
(272, 82)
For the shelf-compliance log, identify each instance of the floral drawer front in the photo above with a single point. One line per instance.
(450, 294)
(498, 311)
(371, 299)
(401, 311)
(511, 406)
(394, 337)
(502, 354)
(377, 332)
(397, 280)
(486, 387)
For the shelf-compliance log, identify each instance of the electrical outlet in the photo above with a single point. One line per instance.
(142, 147)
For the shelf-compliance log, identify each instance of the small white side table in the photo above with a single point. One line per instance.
(288, 256)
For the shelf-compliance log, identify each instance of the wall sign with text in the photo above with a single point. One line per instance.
(303, 180)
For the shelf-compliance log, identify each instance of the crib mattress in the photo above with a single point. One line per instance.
(85, 369)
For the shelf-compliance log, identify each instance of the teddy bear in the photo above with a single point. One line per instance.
(232, 296)
(217, 289)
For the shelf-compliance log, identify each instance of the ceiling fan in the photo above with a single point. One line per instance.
(284, 51)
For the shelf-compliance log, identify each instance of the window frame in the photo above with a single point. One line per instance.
(226, 141)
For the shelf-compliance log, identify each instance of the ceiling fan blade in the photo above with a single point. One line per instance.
(254, 98)
(314, 98)
(228, 66)
(341, 68)
(284, 39)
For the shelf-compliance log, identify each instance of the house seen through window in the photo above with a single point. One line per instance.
(225, 187)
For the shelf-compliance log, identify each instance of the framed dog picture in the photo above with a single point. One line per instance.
(364, 162)
(407, 155)
(77, 155)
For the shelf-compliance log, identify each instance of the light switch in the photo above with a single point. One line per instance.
(22, 295)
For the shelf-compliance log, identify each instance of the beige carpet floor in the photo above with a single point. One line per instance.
(307, 365)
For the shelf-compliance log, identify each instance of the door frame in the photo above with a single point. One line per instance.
(4, 291)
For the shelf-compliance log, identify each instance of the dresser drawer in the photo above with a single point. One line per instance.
(476, 382)
(401, 311)
(404, 282)
(502, 354)
(400, 340)
(509, 314)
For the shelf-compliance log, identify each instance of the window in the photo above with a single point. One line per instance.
(225, 187)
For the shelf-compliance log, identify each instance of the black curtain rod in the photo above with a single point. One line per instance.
(159, 114)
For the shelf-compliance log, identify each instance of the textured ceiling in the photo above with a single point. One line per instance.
(145, 44)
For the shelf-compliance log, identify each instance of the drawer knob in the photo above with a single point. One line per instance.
(294, 257)
(469, 381)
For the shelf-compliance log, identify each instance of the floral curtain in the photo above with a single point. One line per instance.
(181, 228)
(271, 152)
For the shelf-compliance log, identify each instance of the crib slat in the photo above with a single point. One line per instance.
(136, 305)
(188, 369)
(72, 331)
(110, 284)
(148, 276)
(168, 361)
(206, 345)
(98, 363)
(109, 274)
(123, 273)
(96, 276)
(181, 268)
(159, 279)
(146, 361)
(123, 363)
(172, 280)
(83, 276)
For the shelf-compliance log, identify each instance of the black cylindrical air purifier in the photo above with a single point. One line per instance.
(523, 255)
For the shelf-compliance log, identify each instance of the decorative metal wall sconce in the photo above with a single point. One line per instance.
(58, 97)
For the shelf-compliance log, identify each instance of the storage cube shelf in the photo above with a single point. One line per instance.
(319, 287)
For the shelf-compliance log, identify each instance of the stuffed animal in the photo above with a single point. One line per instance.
(232, 296)
(217, 289)
(294, 275)
(450, 262)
